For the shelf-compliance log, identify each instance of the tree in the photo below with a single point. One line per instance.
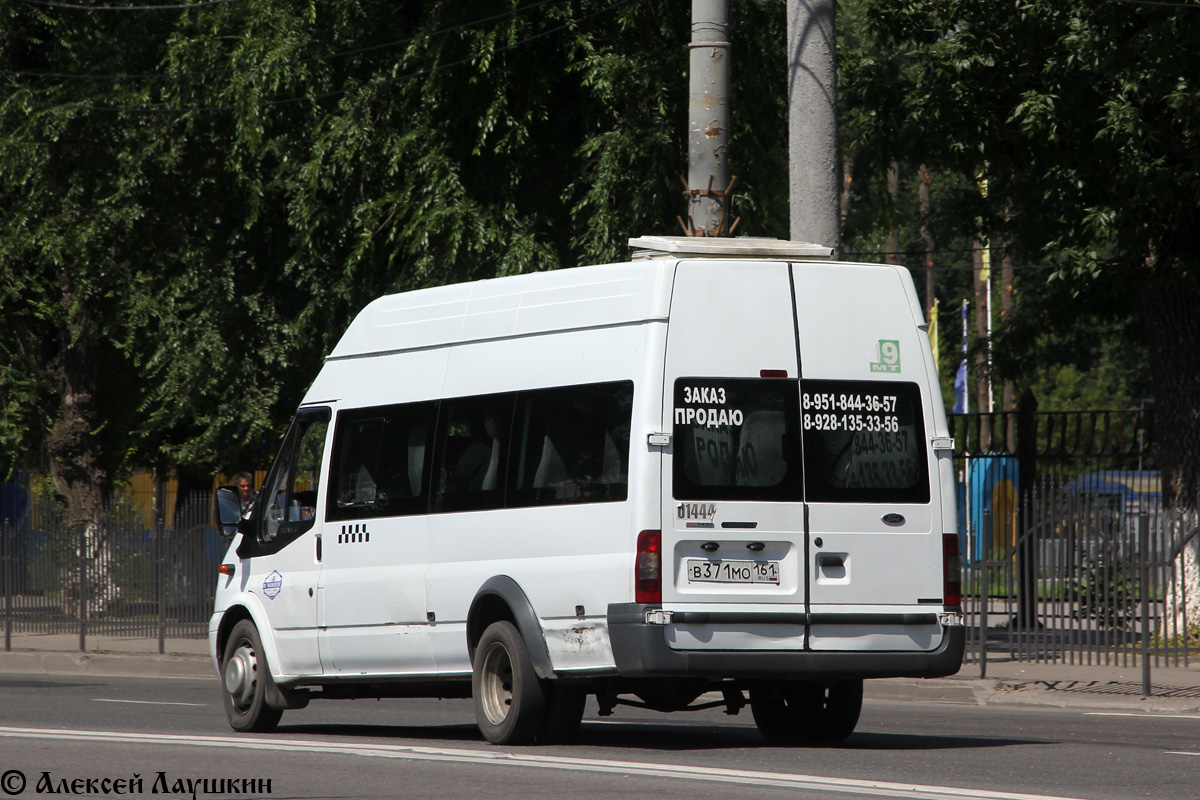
(73, 185)
(191, 223)
(1085, 119)
(1088, 134)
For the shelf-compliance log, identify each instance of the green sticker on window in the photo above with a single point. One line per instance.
(889, 356)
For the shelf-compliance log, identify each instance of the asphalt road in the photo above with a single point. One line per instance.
(57, 729)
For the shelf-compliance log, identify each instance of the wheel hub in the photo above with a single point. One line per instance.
(240, 675)
(497, 684)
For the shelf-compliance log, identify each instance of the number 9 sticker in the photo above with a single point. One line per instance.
(889, 356)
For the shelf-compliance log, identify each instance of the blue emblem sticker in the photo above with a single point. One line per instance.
(272, 584)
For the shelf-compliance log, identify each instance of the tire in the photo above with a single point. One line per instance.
(509, 700)
(564, 712)
(802, 712)
(245, 678)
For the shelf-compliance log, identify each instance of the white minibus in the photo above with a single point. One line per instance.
(718, 473)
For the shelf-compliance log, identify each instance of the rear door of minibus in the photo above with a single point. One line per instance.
(874, 516)
(733, 566)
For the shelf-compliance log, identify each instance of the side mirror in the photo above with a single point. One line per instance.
(227, 510)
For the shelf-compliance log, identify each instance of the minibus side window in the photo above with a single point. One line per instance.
(864, 442)
(471, 459)
(571, 445)
(380, 464)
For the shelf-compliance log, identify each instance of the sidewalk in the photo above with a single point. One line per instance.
(1174, 690)
(59, 654)
(1008, 682)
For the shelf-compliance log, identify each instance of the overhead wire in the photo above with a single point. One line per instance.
(337, 92)
(918, 268)
(82, 7)
(278, 64)
(1160, 3)
(919, 254)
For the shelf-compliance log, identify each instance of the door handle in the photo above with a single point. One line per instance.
(318, 548)
(830, 560)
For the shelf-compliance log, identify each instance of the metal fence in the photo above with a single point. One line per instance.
(125, 574)
(1070, 556)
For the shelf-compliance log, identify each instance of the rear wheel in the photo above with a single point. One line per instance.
(510, 703)
(245, 678)
(802, 712)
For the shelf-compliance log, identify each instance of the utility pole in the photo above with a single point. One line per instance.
(814, 174)
(709, 187)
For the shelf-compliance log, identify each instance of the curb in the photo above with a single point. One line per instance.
(1097, 695)
(1108, 695)
(928, 690)
(1083, 695)
(107, 664)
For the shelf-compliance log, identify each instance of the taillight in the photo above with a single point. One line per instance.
(648, 568)
(951, 570)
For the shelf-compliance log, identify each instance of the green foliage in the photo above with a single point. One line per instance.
(73, 188)
(1189, 640)
(1106, 590)
(209, 215)
(1106, 374)
(1079, 112)
(1084, 119)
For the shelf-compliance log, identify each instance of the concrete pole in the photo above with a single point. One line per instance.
(813, 181)
(708, 119)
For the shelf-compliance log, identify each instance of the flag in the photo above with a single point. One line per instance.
(985, 257)
(933, 335)
(962, 401)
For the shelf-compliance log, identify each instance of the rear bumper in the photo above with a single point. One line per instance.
(641, 650)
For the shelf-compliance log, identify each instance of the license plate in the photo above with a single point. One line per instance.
(732, 571)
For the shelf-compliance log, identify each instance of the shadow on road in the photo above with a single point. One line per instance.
(46, 685)
(661, 737)
(908, 741)
(422, 734)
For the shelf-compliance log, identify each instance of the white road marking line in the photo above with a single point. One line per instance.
(1142, 714)
(500, 758)
(146, 702)
(1181, 753)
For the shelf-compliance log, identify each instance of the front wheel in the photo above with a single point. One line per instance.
(510, 703)
(245, 678)
(802, 712)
